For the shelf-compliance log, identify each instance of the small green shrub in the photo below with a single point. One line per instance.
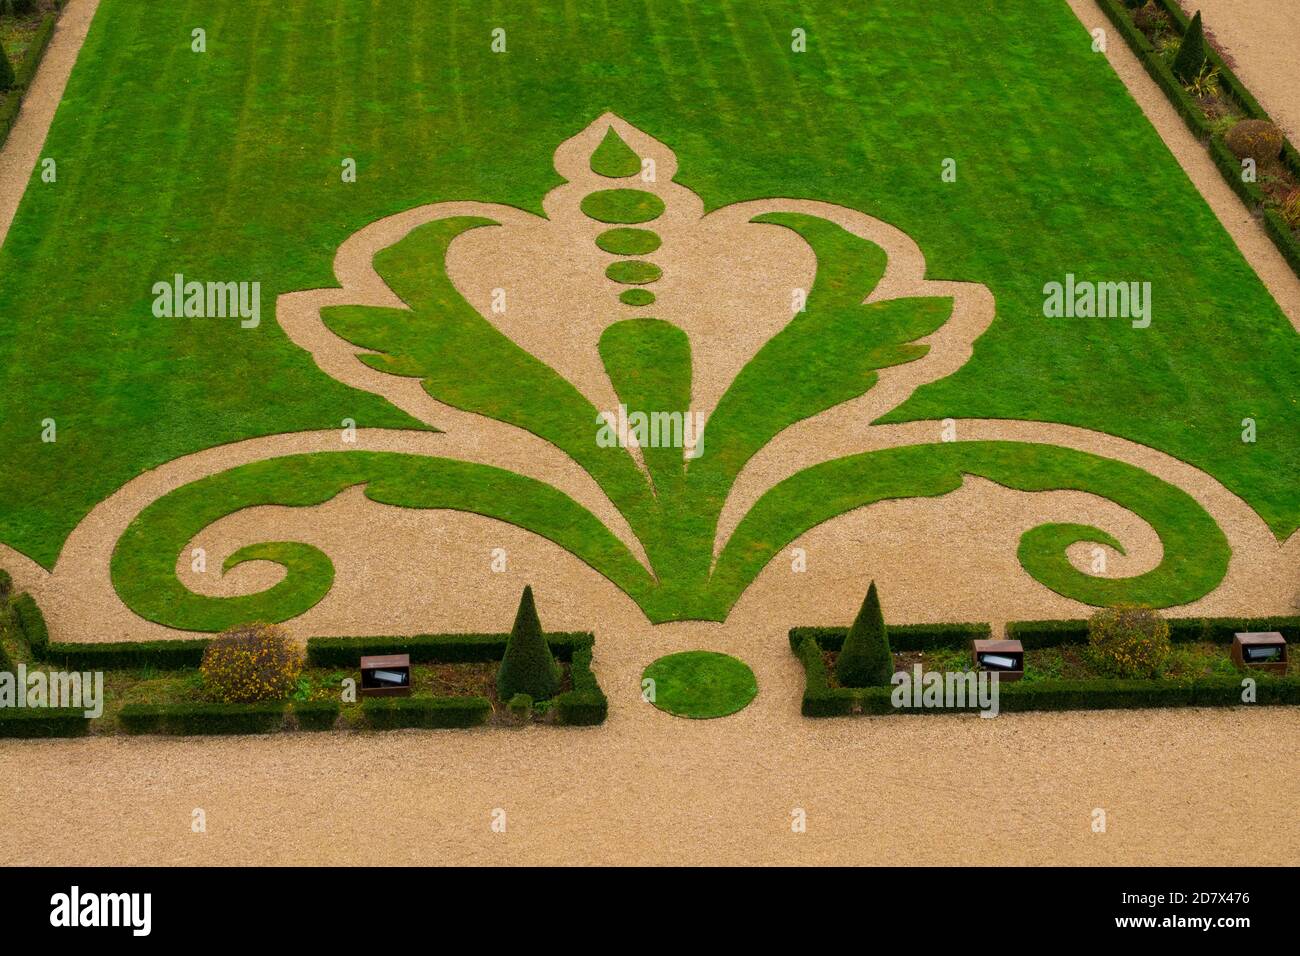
(6, 586)
(521, 707)
(251, 663)
(865, 659)
(1190, 61)
(1129, 642)
(528, 666)
(1255, 139)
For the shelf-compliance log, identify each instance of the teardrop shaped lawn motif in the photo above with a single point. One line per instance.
(614, 159)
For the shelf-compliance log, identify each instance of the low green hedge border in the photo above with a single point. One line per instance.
(432, 648)
(1035, 635)
(164, 655)
(822, 700)
(42, 722)
(31, 622)
(1111, 695)
(11, 102)
(584, 705)
(1229, 165)
(902, 637)
(392, 713)
(187, 719)
(317, 714)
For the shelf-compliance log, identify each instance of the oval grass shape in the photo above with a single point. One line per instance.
(614, 158)
(633, 272)
(701, 684)
(629, 242)
(622, 206)
(636, 297)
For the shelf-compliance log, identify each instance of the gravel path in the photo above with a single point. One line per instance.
(1191, 787)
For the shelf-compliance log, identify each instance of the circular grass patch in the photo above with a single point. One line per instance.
(622, 206)
(701, 684)
(628, 242)
(633, 271)
(636, 297)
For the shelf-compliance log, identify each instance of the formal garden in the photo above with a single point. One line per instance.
(666, 339)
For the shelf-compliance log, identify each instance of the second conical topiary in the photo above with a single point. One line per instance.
(865, 659)
(1191, 52)
(528, 667)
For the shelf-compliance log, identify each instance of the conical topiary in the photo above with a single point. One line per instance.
(528, 667)
(6, 70)
(865, 659)
(1191, 52)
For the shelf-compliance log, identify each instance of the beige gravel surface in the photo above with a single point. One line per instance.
(1190, 787)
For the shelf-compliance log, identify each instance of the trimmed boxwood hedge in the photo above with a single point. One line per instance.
(902, 637)
(821, 700)
(164, 655)
(586, 703)
(391, 713)
(1111, 694)
(43, 722)
(316, 714)
(432, 648)
(202, 718)
(1035, 635)
(32, 623)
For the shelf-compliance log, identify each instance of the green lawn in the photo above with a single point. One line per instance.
(701, 684)
(225, 166)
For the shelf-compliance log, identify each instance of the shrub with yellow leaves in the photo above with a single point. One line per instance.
(251, 663)
(1128, 641)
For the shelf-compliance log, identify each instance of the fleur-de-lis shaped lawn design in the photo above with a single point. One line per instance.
(583, 329)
